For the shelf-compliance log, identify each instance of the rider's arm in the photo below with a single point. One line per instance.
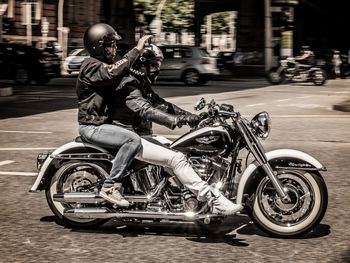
(168, 106)
(141, 106)
(304, 56)
(97, 73)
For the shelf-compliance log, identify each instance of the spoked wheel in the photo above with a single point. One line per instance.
(74, 177)
(309, 198)
(319, 77)
(275, 77)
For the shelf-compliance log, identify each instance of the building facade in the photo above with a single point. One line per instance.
(37, 22)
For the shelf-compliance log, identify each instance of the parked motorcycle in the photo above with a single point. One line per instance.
(282, 191)
(292, 71)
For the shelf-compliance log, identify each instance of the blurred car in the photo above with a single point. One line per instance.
(225, 60)
(74, 60)
(190, 64)
(24, 64)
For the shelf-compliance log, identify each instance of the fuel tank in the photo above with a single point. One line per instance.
(206, 140)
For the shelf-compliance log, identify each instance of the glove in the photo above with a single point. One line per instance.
(190, 119)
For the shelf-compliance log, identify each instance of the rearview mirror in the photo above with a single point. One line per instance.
(200, 104)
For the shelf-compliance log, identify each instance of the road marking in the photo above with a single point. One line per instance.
(18, 173)
(253, 105)
(34, 132)
(6, 162)
(303, 97)
(282, 100)
(303, 106)
(26, 149)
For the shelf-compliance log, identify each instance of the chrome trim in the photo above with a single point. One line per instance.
(59, 150)
(83, 156)
(92, 213)
(86, 198)
(94, 198)
(259, 153)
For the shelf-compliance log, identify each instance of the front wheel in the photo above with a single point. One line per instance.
(308, 193)
(319, 77)
(275, 77)
(74, 177)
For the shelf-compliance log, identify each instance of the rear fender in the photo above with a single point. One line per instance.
(61, 155)
(278, 159)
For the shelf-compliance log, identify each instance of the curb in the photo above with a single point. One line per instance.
(344, 106)
(6, 94)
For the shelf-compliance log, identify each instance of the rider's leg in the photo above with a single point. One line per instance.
(114, 137)
(154, 153)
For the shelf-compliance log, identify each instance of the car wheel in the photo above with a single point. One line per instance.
(191, 77)
(22, 76)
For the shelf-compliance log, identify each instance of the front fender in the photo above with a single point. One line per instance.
(281, 158)
(48, 168)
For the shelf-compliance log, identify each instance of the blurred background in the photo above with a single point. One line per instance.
(246, 37)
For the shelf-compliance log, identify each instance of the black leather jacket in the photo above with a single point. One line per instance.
(95, 85)
(136, 106)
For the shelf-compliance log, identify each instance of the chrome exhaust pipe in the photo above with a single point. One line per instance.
(94, 213)
(85, 198)
(94, 198)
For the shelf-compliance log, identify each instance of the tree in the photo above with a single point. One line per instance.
(177, 15)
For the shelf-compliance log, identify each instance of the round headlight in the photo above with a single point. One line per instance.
(261, 124)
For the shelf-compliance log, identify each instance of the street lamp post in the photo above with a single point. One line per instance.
(268, 36)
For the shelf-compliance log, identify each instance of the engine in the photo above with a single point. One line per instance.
(174, 196)
(209, 169)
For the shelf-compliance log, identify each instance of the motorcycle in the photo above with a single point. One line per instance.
(282, 191)
(292, 71)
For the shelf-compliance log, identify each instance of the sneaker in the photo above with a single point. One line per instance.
(113, 195)
(221, 205)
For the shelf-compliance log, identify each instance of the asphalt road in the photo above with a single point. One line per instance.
(44, 118)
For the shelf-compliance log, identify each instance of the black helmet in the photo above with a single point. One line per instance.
(141, 67)
(97, 37)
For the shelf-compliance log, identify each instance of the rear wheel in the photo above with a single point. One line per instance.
(192, 77)
(74, 177)
(306, 209)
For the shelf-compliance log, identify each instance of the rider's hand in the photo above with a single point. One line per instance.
(141, 42)
(190, 119)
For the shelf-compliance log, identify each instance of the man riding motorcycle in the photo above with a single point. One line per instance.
(97, 78)
(136, 106)
(305, 60)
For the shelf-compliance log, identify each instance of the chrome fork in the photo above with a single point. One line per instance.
(259, 154)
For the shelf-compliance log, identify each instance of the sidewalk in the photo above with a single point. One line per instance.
(343, 106)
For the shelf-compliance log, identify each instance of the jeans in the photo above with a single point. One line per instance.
(113, 137)
(153, 152)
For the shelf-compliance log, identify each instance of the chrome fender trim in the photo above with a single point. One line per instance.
(280, 153)
(59, 150)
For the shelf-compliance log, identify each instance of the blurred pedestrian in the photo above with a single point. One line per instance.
(336, 61)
